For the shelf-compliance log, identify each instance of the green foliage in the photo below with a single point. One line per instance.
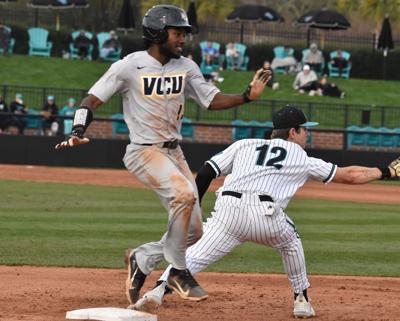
(375, 9)
(90, 226)
(206, 9)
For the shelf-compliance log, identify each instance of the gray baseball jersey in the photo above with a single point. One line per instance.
(154, 94)
(153, 105)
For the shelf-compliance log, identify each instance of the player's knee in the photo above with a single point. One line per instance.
(186, 197)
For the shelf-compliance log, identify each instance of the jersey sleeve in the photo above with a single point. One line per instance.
(197, 88)
(223, 161)
(110, 83)
(321, 170)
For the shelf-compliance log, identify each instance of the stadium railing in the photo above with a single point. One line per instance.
(329, 115)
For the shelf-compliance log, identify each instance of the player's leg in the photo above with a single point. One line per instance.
(195, 226)
(154, 167)
(219, 238)
(291, 250)
(160, 169)
(278, 231)
(181, 281)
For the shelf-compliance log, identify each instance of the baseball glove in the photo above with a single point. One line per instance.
(395, 165)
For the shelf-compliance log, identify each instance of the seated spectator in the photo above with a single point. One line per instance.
(209, 50)
(49, 113)
(82, 44)
(286, 61)
(209, 70)
(271, 83)
(306, 80)
(314, 58)
(4, 38)
(325, 88)
(339, 61)
(4, 119)
(233, 54)
(69, 108)
(110, 46)
(69, 111)
(18, 108)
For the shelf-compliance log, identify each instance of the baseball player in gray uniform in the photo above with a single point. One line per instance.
(261, 178)
(154, 84)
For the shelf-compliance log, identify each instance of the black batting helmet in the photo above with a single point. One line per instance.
(159, 18)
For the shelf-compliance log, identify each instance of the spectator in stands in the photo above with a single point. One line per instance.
(110, 46)
(82, 44)
(18, 108)
(271, 83)
(314, 58)
(4, 119)
(69, 111)
(69, 108)
(325, 88)
(209, 70)
(4, 38)
(209, 50)
(286, 61)
(49, 113)
(306, 81)
(234, 54)
(339, 61)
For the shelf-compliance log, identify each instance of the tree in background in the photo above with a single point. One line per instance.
(374, 9)
(207, 10)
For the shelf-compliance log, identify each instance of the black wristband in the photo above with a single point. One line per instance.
(246, 95)
(78, 130)
(385, 173)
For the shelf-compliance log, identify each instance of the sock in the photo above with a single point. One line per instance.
(304, 293)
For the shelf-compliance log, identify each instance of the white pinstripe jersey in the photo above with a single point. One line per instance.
(154, 94)
(275, 167)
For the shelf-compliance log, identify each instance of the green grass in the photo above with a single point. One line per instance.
(61, 73)
(90, 226)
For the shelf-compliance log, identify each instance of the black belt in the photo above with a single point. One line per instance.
(263, 198)
(171, 144)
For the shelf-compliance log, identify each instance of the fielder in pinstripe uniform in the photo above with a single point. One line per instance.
(261, 178)
(154, 84)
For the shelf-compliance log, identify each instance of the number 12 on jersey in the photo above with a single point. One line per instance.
(271, 157)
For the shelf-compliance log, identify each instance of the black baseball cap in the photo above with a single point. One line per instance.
(291, 117)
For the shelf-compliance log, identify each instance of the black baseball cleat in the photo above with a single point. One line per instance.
(135, 279)
(183, 283)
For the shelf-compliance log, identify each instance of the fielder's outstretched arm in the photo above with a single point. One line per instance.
(82, 119)
(362, 175)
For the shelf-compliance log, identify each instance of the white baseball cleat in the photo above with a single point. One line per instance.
(303, 308)
(151, 300)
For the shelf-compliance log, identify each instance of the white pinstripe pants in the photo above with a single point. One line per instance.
(235, 221)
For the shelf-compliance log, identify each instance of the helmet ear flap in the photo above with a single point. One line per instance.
(155, 35)
(163, 35)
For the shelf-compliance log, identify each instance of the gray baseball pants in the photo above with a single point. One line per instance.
(166, 172)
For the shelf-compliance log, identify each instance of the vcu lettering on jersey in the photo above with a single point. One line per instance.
(154, 86)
